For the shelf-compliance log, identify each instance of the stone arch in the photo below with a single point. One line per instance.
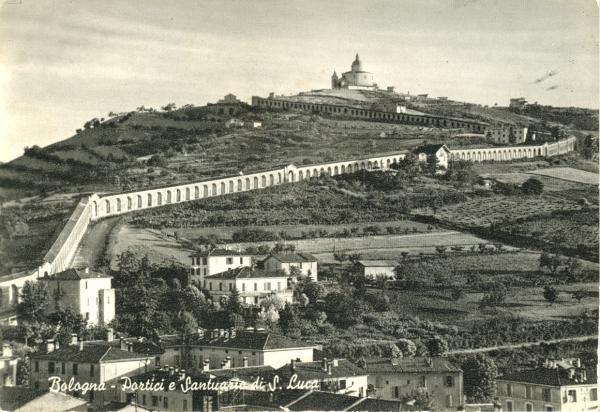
(369, 165)
(222, 192)
(139, 201)
(149, 202)
(271, 180)
(213, 191)
(107, 206)
(196, 192)
(169, 196)
(187, 193)
(255, 183)
(95, 208)
(239, 185)
(279, 178)
(300, 175)
(362, 165)
(231, 186)
(336, 170)
(159, 198)
(205, 189)
(129, 203)
(263, 181)
(388, 162)
(329, 170)
(315, 173)
(290, 176)
(308, 173)
(178, 195)
(247, 183)
(322, 171)
(118, 205)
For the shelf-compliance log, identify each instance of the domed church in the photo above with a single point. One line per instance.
(356, 78)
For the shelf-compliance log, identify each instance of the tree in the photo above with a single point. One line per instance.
(495, 296)
(437, 346)
(169, 107)
(269, 316)
(479, 378)
(313, 290)
(457, 293)
(440, 249)
(408, 167)
(34, 301)
(407, 347)
(233, 304)
(532, 186)
(186, 325)
(550, 294)
(381, 281)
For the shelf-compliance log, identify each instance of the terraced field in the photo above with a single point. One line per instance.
(570, 174)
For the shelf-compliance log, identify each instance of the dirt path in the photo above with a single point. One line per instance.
(523, 345)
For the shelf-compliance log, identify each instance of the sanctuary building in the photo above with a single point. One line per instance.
(356, 78)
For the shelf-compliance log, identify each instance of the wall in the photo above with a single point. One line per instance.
(372, 272)
(366, 114)
(307, 268)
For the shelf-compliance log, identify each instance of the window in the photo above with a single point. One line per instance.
(255, 287)
(157, 361)
(508, 389)
(547, 394)
(528, 392)
(449, 381)
(220, 286)
(594, 394)
(396, 391)
(63, 368)
(229, 260)
(184, 405)
(241, 261)
(37, 366)
(75, 369)
(528, 407)
(278, 285)
(230, 286)
(210, 286)
(86, 284)
(342, 383)
(549, 409)
(166, 403)
(50, 367)
(267, 285)
(572, 395)
(243, 287)
(423, 382)
(449, 401)
(509, 406)
(143, 399)
(154, 400)
(92, 370)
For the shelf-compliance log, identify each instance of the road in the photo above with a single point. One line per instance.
(522, 345)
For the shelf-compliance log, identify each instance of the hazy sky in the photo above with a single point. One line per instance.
(64, 62)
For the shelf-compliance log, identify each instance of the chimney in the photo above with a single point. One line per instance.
(123, 343)
(74, 339)
(293, 365)
(80, 343)
(245, 361)
(324, 364)
(110, 335)
(206, 365)
(329, 367)
(172, 371)
(50, 345)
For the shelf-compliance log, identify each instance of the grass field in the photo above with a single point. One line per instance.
(551, 184)
(570, 174)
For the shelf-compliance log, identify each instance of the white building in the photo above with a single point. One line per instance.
(508, 134)
(557, 386)
(440, 151)
(86, 292)
(228, 348)
(217, 260)
(373, 268)
(253, 285)
(306, 262)
(356, 78)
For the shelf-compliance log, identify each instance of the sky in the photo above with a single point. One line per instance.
(65, 62)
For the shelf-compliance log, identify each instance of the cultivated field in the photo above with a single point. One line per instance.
(570, 174)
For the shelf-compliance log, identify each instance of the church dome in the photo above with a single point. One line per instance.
(357, 64)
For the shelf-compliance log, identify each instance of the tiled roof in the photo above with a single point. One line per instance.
(245, 272)
(324, 401)
(378, 405)
(54, 401)
(314, 370)
(92, 352)
(378, 263)
(266, 400)
(259, 340)
(292, 257)
(76, 274)
(219, 252)
(408, 365)
(248, 374)
(550, 377)
(430, 148)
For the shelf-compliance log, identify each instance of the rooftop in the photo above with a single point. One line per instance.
(100, 352)
(76, 274)
(315, 370)
(245, 272)
(247, 339)
(552, 377)
(324, 401)
(378, 263)
(292, 257)
(430, 148)
(409, 365)
(219, 252)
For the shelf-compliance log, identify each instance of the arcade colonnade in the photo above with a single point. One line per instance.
(503, 154)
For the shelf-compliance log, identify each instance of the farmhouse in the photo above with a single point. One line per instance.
(392, 379)
(506, 134)
(372, 268)
(228, 348)
(86, 292)
(563, 385)
(212, 261)
(252, 284)
(306, 262)
(440, 151)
